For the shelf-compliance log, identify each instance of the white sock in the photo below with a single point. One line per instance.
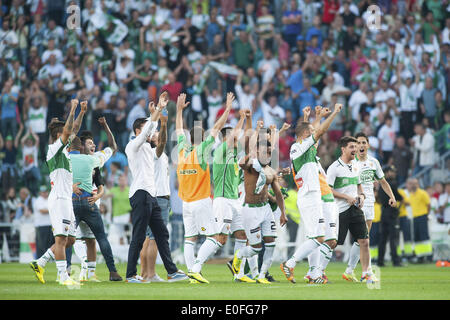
(314, 263)
(354, 258)
(248, 252)
(45, 258)
(80, 250)
(325, 256)
(239, 243)
(189, 255)
(302, 252)
(61, 266)
(253, 265)
(91, 265)
(241, 271)
(267, 259)
(207, 250)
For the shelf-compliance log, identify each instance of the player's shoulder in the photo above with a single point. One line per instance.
(334, 166)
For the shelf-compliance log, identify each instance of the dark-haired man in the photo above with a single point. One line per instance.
(145, 211)
(343, 178)
(85, 245)
(195, 189)
(369, 170)
(59, 202)
(226, 204)
(306, 175)
(84, 207)
(257, 215)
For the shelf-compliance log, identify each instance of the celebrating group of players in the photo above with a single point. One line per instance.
(247, 195)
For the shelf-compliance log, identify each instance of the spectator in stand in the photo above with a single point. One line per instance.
(402, 159)
(292, 19)
(8, 147)
(423, 149)
(30, 165)
(9, 111)
(386, 135)
(429, 106)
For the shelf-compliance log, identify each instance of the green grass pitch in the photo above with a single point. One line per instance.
(17, 281)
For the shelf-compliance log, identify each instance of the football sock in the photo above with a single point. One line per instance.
(239, 243)
(189, 255)
(248, 252)
(91, 268)
(253, 265)
(45, 258)
(314, 262)
(61, 266)
(267, 259)
(354, 258)
(303, 251)
(326, 253)
(207, 250)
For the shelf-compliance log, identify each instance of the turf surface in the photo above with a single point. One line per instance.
(17, 281)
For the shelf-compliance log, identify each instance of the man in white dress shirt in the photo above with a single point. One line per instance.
(145, 210)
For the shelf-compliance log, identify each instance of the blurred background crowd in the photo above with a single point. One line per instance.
(276, 56)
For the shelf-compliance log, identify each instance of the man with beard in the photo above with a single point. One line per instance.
(369, 171)
(343, 177)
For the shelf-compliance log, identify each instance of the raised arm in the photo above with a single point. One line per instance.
(111, 140)
(68, 127)
(78, 122)
(234, 135)
(223, 119)
(181, 105)
(306, 113)
(162, 138)
(323, 127)
(150, 126)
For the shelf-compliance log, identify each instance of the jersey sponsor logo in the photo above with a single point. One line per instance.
(188, 172)
(203, 228)
(299, 182)
(367, 176)
(255, 230)
(66, 221)
(332, 225)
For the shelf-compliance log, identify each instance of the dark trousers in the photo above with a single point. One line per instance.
(389, 229)
(44, 239)
(89, 213)
(146, 212)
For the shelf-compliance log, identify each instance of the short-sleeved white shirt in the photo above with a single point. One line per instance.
(60, 168)
(304, 165)
(369, 171)
(343, 178)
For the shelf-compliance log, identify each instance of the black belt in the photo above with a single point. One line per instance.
(164, 197)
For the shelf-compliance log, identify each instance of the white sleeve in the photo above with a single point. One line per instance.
(104, 155)
(298, 149)
(147, 131)
(379, 174)
(331, 175)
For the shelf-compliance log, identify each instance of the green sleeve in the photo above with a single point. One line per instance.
(181, 142)
(203, 150)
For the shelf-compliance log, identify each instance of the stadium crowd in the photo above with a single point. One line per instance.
(276, 56)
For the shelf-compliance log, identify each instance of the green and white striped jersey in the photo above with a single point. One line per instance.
(343, 178)
(60, 168)
(304, 166)
(369, 171)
